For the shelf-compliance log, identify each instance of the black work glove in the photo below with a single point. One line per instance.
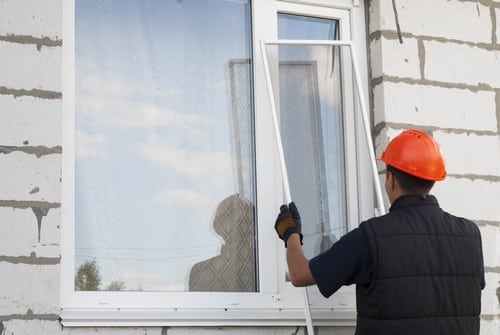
(288, 222)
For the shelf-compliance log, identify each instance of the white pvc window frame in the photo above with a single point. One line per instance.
(277, 303)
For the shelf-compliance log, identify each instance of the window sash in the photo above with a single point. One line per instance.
(277, 302)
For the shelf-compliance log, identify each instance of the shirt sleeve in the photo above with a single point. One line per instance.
(348, 261)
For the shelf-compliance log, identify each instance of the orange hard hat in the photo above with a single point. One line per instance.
(417, 154)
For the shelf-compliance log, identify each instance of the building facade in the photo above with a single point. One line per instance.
(431, 65)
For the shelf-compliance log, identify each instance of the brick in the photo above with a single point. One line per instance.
(41, 18)
(32, 327)
(30, 121)
(474, 199)
(438, 18)
(21, 237)
(465, 153)
(461, 63)
(490, 327)
(381, 16)
(422, 105)
(21, 233)
(50, 234)
(26, 177)
(38, 69)
(26, 287)
(490, 236)
(389, 57)
(489, 301)
(380, 143)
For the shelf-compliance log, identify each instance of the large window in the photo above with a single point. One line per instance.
(171, 179)
(164, 182)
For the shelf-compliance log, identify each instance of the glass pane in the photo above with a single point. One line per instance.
(310, 108)
(164, 146)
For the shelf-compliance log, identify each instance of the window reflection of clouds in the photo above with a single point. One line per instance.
(152, 128)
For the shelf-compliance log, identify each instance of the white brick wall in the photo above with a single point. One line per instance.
(29, 287)
(33, 18)
(22, 239)
(30, 119)
(490, 327)
(447, 19)
(27, 177)
(489, 300)
(50, 234)
(30, 125)
(469, 153)
(474, 199)
(453, 96)
(491, 244)
(397, 59)
(32, 327)
(38, 69)
(461, 63)
(421, 105)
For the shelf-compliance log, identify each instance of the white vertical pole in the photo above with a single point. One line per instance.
(368, 136)
(284, 173)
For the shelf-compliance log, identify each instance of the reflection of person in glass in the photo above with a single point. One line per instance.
(233, 270)
(418, 269)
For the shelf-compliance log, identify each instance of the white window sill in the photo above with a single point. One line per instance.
(203, 317)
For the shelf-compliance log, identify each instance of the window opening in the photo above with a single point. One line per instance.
(119, 69)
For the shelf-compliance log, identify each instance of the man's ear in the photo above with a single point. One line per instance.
(391, 181)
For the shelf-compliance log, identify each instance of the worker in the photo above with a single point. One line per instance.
(417, 270)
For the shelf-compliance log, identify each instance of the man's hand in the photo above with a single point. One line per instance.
(288, 222)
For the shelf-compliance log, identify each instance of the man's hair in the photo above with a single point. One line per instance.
(409, 183)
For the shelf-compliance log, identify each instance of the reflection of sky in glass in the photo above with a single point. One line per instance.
(298, 27)
(153, 132)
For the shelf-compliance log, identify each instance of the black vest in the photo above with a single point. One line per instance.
(427, 272)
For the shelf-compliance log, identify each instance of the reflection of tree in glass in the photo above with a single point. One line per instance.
(87, 277)
(116, 285)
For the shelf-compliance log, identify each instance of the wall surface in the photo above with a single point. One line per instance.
(444, 78)
(30, 160)
(30, 169)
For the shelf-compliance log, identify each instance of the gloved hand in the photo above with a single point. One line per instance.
(288, 222)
